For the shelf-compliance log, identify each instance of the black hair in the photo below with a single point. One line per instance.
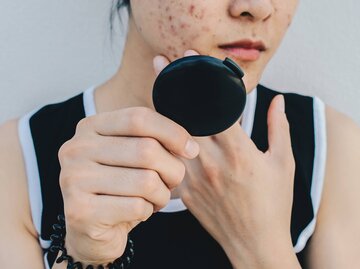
(115, 10)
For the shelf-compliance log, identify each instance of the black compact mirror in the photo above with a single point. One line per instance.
(201, 93)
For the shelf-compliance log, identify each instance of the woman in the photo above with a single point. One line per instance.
(111, 163)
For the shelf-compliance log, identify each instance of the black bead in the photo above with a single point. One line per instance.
(57, 244)
(61, 218)
(55, 237)
(57, 227)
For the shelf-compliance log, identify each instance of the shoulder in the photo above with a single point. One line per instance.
(28, 155)
(338, 218)
(343, 154)
(342, 181)
(13, 183)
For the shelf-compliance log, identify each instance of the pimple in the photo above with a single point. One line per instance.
(205, 28)
(195, 36)
(191, 10)
(184, 25)
(173, 30)
(200, 15)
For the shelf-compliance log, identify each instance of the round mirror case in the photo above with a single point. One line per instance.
(201, 93)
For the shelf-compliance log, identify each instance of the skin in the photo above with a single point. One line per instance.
(216, 172)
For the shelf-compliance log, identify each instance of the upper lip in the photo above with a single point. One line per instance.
(246, 44)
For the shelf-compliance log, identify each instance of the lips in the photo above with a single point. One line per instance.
(244, 50)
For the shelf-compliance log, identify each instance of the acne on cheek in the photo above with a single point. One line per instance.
(171, 51)
(172, 26)
(196, 12)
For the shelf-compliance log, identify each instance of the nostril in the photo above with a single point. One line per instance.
(246, 14)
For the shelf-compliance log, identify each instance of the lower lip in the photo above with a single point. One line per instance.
(244, 54)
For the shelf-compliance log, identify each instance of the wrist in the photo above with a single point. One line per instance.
(59, 247)
(267, 255)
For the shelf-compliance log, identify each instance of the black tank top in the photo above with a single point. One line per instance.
(173, 238)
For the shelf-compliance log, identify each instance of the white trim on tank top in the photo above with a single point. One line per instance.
(176, 205)
(318, 175)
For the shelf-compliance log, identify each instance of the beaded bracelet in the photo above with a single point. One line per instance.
(58, 244)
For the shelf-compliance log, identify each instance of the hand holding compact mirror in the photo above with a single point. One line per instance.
(201, 93)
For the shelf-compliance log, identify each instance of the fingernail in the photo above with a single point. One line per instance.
(191, 148)
(190, 53)
(281, 104)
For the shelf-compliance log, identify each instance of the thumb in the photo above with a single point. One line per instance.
(278, 129)
(159, 63)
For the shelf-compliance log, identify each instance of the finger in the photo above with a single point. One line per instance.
(159, 63)
(113, 210)
(234, 138)
(144, 122)
(136, 152)
(129, 182)
(278, 128)
(191, 53)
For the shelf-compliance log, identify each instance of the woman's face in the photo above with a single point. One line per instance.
(247, 31)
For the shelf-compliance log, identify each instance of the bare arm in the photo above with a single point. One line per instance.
(336, 240)
(19, 247)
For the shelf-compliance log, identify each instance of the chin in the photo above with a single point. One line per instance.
(250, 82)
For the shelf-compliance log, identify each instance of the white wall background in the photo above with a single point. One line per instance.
(50, 50)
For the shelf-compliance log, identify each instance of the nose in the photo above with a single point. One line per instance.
(252, 10)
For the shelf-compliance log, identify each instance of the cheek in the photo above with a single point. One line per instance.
(283, 17)
(180, 26)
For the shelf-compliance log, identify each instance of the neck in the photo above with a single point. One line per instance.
(132, 84)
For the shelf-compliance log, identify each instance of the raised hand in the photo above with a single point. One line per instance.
(115, 172)
(242, 196)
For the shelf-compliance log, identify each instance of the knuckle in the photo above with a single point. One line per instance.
(138, 208)
(136, 118)
(141, 209)
(85, 124)
(166, 196)
(146, 148)
(150, 181)
(76, 210)
(148, 211)
(181, 134)
(73, 149)
(211, 170)
(63, 150)
(179, 174)
(65, 180)
(72, 179)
